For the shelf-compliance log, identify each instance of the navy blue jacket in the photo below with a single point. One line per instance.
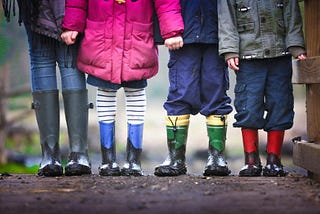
(200, 22)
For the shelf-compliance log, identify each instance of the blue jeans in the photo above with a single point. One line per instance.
(264, 94)
(199, 81)
(45, 54)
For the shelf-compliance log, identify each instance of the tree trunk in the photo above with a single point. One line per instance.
(4, 81)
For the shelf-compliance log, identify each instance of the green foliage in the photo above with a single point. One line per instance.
(5, 43)
(13, 168)
(19, 102)
(28, 145)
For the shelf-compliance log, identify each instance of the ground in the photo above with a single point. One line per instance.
(22, 193)
(192, 193)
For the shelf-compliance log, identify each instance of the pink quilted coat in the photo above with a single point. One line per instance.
(118, 43)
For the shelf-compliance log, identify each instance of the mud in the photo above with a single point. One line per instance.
(295, 193)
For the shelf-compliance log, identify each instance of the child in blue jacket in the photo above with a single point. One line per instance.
(198, 83)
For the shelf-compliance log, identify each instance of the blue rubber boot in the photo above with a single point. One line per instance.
(109, 167)
(134, 149)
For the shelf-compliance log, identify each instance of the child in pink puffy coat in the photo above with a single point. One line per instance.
(117, 50)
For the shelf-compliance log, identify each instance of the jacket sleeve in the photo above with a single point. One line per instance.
(75, 15)
(170, 19)
(293, 23)
(228, 33)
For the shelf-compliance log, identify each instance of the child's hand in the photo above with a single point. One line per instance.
(174, 43)
(233, 63)
(302, 57)
(69, 37)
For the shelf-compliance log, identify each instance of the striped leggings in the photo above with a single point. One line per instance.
(106, 105)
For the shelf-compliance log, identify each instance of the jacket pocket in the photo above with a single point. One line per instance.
(143, 53)
(244, 11)
(96, 45)
(245, 27)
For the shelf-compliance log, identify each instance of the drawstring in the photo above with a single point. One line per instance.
(28, 10)
(174, 125)
(7, 5)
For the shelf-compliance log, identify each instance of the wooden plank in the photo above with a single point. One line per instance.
(307, 156)
(306, 71)
(312, 29)
(312, 33)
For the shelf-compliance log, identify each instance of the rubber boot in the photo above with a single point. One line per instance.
(76, 111)
(109, 167)
(252, 165)
(274, 167)
(134, 149)
(217, 129)
(177, 133)
(46, 106)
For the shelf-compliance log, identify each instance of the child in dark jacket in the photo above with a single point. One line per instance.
(198, 83)
(256, 39)
(42, 20)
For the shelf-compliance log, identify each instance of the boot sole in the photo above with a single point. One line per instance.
(110, 172)
(51, 171)
(130, 172)
(222, 172)
(167, 171)
(77, 170)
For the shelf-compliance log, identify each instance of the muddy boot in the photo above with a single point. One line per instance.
(46, 106)
(76, 110)
(177, 133)
(109, 167)
(217, 129)
(252, 165)
(134, 149)
(274, 167)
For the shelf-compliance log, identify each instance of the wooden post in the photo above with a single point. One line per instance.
(311, 149)
(312, 32)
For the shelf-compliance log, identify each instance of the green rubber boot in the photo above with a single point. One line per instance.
(177, 133)
(217, 129)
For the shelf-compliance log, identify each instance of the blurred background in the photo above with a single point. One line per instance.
(20, 150)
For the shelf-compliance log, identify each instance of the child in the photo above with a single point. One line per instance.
(198, 83)
(255, 37)
(118, 50)
(42, 21)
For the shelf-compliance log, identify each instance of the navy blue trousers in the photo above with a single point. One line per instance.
(264, 94)
(199, 80)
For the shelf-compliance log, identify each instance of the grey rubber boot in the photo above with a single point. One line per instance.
(76, 110)
(46, 106)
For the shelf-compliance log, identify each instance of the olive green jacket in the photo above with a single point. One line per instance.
(258, 29)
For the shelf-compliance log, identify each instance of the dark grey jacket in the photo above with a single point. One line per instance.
(259, 29)
(44, 16)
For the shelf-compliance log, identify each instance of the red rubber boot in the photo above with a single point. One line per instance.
(274, 167)
(252, 165)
